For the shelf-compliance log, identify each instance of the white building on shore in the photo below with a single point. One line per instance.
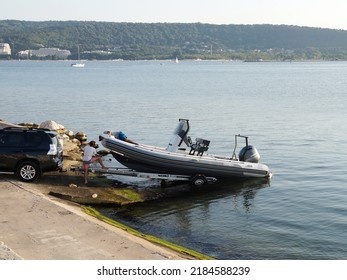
(44, 52)
(5, 49)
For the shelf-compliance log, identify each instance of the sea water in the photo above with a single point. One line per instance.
(294, 114)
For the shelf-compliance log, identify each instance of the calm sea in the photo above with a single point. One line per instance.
(294, 113)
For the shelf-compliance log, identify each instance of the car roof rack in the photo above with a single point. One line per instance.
(15, 128)
(25, 128)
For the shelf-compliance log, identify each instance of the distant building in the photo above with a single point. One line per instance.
(5, 49)
(99, 52)
(24, 54)
(44, 52)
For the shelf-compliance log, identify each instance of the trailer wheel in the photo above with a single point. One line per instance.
(198, 180)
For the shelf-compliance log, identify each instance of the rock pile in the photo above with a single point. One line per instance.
(82, 137)
(4, 124)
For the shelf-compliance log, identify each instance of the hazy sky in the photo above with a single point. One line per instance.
(313, 13)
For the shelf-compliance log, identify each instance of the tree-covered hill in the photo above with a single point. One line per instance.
(166, 40)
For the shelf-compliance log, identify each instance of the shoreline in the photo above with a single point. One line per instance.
(58, 201)
(172, 60)
(36, 226)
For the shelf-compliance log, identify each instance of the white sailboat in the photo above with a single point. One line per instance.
(78, 64)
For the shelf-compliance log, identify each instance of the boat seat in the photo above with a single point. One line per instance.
(200, 146)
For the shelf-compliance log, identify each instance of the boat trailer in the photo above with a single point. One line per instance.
(196, 180)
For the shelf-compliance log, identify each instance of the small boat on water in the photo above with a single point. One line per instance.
(78, 64)
(183, 156)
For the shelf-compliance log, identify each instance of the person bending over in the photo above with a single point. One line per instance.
(89, 156)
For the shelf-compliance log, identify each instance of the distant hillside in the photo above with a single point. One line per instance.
(167, 40)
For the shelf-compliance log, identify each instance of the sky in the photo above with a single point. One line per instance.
(311, 13)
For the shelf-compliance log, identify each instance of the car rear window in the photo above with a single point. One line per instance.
(12, 139)
(33, 139)
(2, 139)
(20, 139)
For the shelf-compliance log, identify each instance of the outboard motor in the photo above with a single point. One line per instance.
(249, 154)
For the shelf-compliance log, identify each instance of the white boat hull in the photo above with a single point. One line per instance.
(77, 65)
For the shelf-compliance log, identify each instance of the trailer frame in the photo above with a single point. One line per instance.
(196, 180)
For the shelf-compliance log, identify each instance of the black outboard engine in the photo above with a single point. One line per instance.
(249, 154)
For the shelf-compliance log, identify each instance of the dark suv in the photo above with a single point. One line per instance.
(29, 152)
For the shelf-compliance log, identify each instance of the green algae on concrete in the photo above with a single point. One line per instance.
(194, 254)
(96, 194)
(130, 194)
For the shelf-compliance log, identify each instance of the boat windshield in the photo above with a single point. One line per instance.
(179, 135)
(182, 128)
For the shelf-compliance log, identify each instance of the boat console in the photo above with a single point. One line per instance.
(180, 136)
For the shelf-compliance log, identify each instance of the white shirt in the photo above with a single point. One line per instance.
(89, 152)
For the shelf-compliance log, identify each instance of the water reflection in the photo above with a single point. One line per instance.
(244, 190)
(198, 218)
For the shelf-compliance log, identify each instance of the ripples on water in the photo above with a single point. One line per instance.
(294, 114)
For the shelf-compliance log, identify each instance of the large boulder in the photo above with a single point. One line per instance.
(82, 137)
(52, 125)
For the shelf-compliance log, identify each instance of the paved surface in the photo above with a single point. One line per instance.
(37, 227)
